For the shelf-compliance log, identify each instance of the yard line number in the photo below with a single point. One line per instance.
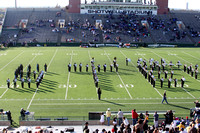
(127, 85)
(70, 86)
(71, 54)
(105, 54)
(37, 53)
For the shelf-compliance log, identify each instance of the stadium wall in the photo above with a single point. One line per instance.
(104, 44)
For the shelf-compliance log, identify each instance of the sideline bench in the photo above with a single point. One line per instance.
(43, 119)
(61, 119)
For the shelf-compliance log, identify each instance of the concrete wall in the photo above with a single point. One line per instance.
(162, 6)
(4, 123)
(67, 123)
(74, 6)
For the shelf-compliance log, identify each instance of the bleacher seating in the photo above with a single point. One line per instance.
(43, 27)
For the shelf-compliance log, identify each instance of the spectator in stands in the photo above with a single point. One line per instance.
(197, 114)
(197, 123)
(147, 116)
(128, 129)
(182, 130)
(193, 129)
(134, 116)
(197, 104)
(103, 131)
(102, 119)
(108, 115)
(120, 116)
(115, 121)
(86, 127)
(139, 126)
(125, 121)
(167, 118)
(181, 125)
(86, 131)
(141, 116)
(171, 115)
(189, 127)
(122, 127)
(115, 128)
(156, 116)
(187, 121)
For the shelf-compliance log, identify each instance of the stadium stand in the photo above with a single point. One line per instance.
(43, 27)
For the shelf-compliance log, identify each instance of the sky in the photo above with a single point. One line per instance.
(175, 4)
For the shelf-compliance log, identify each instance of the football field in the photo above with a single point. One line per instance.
(73, 94)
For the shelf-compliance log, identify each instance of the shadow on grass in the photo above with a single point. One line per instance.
(113, 103)
(51, 73)
(105, 73)
(178, 106)
(128, 70)
(22, 90)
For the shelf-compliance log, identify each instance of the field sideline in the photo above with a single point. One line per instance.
(64, 93)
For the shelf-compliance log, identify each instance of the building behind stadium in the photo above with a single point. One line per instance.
(138, 7)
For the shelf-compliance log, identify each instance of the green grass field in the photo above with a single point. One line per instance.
(74, 94)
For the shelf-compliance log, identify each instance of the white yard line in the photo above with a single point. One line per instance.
(190, 63)
(44, 76)
(12, 82)
(159, 56)
(180, 69)
(11, 61)
(89, 55)
(142, 56)
(188, 92)
(137, 69)
(158, 92)
(120, 78)
(131, 61)
(64, 104)
(147, 81)
(181, 58)
(112, 99)
(68, 79)
(190, 55)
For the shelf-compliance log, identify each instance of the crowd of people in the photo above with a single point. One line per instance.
(140, 123)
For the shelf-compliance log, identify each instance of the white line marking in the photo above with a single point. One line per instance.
(180, 69)
(138, 70)
(120, 78)
(142, 56)
(54, 104)
(12, 82)
(114, 99)
(68, 78)
(149, 83)
(89, 54)
(131, 61)
(181, 58)
(11, 61)
(190, 55)
(188, 92)
(44, 76)
(158, 91)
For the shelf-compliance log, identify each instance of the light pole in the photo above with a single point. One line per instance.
(15, 3)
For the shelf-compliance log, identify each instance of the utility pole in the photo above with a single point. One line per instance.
(15, 3)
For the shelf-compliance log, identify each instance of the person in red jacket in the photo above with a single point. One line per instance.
(134, 116)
